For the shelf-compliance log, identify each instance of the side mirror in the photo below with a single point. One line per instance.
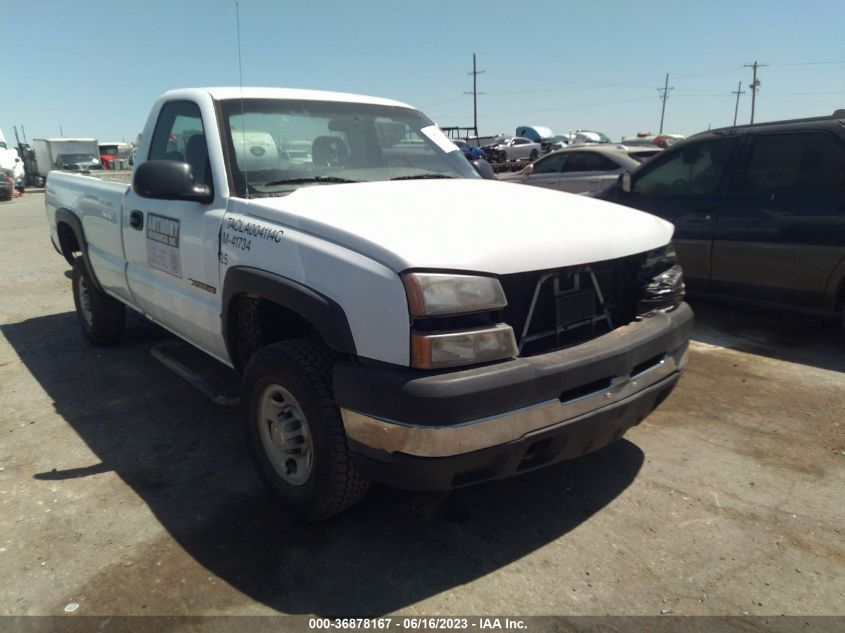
(484, 169)
(624, 182)
(528, 170)
(169, 180)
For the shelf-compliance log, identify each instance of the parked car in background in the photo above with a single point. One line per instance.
(644, 152)
(582, 137)
(513, 148)
(759, 210)
(577, 169)
(7, 186)
(472, 153)
(647, 139)
(559, 141)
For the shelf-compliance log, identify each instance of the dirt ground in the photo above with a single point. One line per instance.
(124, 491)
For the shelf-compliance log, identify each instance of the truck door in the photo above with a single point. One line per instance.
(782, 231)
(172, 246)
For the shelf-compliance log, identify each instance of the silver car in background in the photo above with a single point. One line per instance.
(577, 169)
(513, 148)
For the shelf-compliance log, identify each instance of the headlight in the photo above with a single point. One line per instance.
(466, 347)
(663, 281)
(439, 294)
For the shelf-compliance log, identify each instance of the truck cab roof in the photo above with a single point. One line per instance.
(221, 93)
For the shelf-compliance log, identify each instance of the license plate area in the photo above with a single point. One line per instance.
(574, 307)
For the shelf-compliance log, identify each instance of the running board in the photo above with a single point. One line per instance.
(218, 382)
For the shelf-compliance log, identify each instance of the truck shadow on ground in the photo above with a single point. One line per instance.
(186, 459)
(788, 336)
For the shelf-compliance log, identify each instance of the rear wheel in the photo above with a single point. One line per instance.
(295, 432)
(102, 318)
(534, 155)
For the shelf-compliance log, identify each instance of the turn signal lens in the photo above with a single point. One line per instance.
(467, 347)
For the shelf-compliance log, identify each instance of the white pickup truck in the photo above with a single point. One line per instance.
(330, 248)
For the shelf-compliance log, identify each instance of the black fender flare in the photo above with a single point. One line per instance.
(325, 314)
(68, 217)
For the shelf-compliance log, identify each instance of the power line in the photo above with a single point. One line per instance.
(840, 61)
(755, 85)
(666, 89)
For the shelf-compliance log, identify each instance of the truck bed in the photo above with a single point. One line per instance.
(98, 204)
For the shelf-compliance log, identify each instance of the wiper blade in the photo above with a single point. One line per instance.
(301, 181)
(422, 177)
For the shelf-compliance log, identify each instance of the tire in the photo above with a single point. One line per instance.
(304, 462)
(534, 154)
(503, 156)
(102, 318)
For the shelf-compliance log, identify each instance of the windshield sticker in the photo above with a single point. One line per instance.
(433, 134)
(163, 244)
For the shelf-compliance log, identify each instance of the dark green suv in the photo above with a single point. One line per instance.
(759, 211)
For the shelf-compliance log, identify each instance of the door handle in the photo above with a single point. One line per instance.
(136, 220)
(705, 212)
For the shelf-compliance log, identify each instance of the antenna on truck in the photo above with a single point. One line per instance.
(243, 118)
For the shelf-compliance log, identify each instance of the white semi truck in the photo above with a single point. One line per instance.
(384, 328)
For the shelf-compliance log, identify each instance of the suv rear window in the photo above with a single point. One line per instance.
(810, 161)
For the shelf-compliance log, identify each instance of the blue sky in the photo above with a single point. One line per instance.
(95, 67)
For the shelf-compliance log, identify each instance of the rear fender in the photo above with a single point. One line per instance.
(68, 217)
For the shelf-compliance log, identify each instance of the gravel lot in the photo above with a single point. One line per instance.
(123, 490)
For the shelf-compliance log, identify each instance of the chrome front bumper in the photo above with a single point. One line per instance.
(391, 436)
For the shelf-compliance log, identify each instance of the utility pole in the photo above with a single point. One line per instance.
(475, 94)
(755, 85)
(665, 95)
(739, 91)
(61, 131)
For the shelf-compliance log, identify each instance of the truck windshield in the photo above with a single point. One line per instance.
(276, 146)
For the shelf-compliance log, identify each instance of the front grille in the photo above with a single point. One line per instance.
(568, 306)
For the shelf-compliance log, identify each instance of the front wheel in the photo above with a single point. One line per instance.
(102, 317)
(294, 430)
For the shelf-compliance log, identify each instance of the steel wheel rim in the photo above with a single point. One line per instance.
(84, 296)
(285, 435)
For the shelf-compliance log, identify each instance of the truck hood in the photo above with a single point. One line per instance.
(469, 225)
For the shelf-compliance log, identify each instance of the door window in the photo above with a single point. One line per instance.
(550, 165)
(588, 161)
(694, 169)
(179, 136)
(805, 162)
